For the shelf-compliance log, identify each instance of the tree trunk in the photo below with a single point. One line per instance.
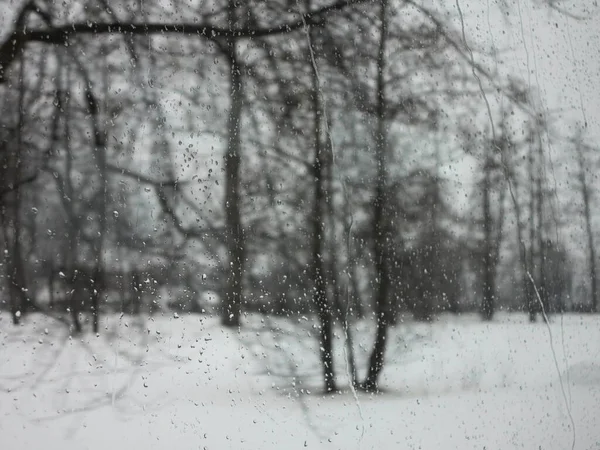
(487, 307)
(542, 247)
(320, 299)
(72, 227)
(585, 195)
(320, 287)
(100, 143)
(514, 191)
(233, 222)
(68, 191)
(341, 306)
(530, 285)
(14, 292)
(380, 221)
(17, 267)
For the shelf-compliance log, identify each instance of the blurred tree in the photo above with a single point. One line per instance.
(583, 153)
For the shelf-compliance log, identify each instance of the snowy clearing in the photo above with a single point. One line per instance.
(184, 382)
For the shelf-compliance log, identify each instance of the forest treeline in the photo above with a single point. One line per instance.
(285, 157)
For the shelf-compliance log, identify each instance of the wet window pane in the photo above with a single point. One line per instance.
(313, 223)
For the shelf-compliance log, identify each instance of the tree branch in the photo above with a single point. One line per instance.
(159, 187)
(60, 34)
(14, 187)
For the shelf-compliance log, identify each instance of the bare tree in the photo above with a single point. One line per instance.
(491, 183)
(234, 228)
(586, 195)
(381, 227)
(12, 154)
(11, 48)
(320, 170)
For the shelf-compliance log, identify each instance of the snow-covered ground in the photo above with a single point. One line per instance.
(185, 383)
